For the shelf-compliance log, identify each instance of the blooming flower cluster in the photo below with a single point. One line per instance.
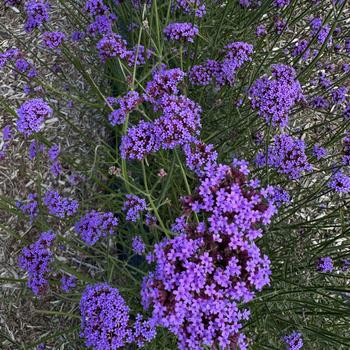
(181, 31)
(192, 6)
(275, 96)
(340, 182)
(31, 116)
(105, 320)
(346, 149)
(36, 260)
(287, 155)
(94, 225)
(133, 206)
(127, 103)
(60, 206)
(68, 283)
(37, 12)
(138, 245)
(236, 54)
(325, 264)
(203, 273)
(53, 40)
(294, 341)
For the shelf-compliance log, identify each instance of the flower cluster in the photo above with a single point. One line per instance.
(37, 12)
(325, 264)
(127, 103)
(30, 206)
(31, 116)
(36, 260)
(275, 96)
(138, 246)
(203, 273)
(294, 341)
(236, 54)
(60, 206)
(53, 40)
(111, 45)
(346, 149)
(133, 206)
(94, 225)
(181, 31)
(106, 323)
(192, 6)
(287, 155)
(68, 283)
(340, 182)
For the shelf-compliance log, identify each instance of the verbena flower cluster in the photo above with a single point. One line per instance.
(181, 31)
(95, 225)
(204, 273)
(60, 206)
(133, 207)
(106, 322)
(36, 260)
(275, 96)
(294, 341)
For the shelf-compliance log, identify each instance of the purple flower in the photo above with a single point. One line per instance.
(7, 133)
(60, 206)
(192, 6)
(260, 30)
(133, 206)
(346, 149)
(346, 112)
(68, 283)
(200, 157)
(54, 152)
(287, 155)
(95, 7)
(34, 148)
(53, 40)
(320, 102)
(104, 318)
(181, 31)
(281, 3)
(319, 152)
(140, 141)
(77, 36)
(301, 47)
(112, 45)
(102, 25)
(127, 104)
(138, 246)
(94, 225)
(340, 182)
(30, 206)
(339, 94)
(143, 331)
(202, 75)
(31, 116)
(179, 122)
(37, 12)
(36, 260)
(325, 264)
(138, 55)
(275, 97)
(210, 266)
(294, 341)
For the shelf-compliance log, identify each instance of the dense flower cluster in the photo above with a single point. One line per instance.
(138, 246)
(94, 225)
(287, 155)
(275, 96)
(133, 206)
(325, 264)
(346, 149)
(53, 40)
(60, 206)
(112, 45)
(31, 116)
(105, 320)
(319, 152)
(68, 283)
(37, 12)
(340, 182)
(236, 54)
(192, 6)
(36, 260)
(181, 31)
(203, 273)
(200, 157)
(294, 341)
(127, 103)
